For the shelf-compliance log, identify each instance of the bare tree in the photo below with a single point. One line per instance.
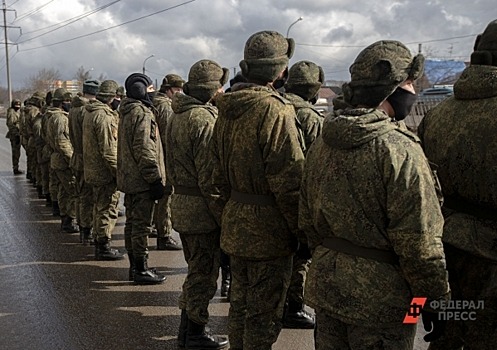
(43, 81)
(83, 74)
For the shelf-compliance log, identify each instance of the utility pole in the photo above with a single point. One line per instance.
(7, 61)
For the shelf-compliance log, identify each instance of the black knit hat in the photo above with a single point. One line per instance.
(136, 85)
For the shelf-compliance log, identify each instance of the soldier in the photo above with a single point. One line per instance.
(371, 213)
(171, 84)
(140, 173)
(13, 115)
(44, 152)
(302, 87)
(30, 111)
(189, 170)
(84, 191)
(61, 175)
(259, 162)
(100, 166)
(33, 125)
(458, 135)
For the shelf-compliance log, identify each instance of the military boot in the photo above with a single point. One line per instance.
(103, 251)
(39, 189)
(296, 317)
(69, 225)
(198, 339)
(144, 275)
(85, 235)
(55, 208)
(183, 328)
(167, 243)
(225, 280)
(48, 200)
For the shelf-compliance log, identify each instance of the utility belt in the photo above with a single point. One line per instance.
(344, 246)
(188, 191)
(479, 211)
(254, 199)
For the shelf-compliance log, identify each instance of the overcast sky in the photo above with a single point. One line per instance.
(114, 42)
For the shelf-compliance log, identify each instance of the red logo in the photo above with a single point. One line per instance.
(414, 311)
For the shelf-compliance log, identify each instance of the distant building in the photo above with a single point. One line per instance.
(72, 86)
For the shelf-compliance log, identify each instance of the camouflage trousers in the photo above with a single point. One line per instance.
(333, 334)
(258, 293)
(85, 201)
(300, 266)
(31, 159)
(105, 200)
(139, 216)
(472, 279)
(202, 254)
(45, 177)
(162, 217)
(15, 146)
(66, 191)
(53, 183)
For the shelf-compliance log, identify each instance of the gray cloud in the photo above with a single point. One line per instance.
(218, 29)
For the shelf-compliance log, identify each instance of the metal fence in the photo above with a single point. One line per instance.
(420, 108)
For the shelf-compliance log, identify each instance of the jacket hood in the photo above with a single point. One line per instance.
(78, 101)
(239, 102)
(352, 128)
(181, 103)
(476, 82)
(128, 103)
(95, 105)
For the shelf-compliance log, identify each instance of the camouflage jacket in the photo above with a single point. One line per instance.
(257, 152)
(310, 120)
(99, 143)
(368, 182)
(189, 164)
(139, 149)
(458, 135)
(162, 104)
(76, 116)
(13, 123)
(30, 113)
(58, 138)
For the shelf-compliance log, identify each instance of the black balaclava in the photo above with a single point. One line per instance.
(136, 87)
(402, 102)
(115, 104)
(66, 106)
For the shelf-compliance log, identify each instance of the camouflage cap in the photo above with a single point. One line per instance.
(38, 96)
(59, 94)
(120, 91)
(305, 79)
(378, 70)
(204, 79)
(16, 102)
(172, 80)
(90, 87)
(485, 50)
(108, 88)
(266, 55)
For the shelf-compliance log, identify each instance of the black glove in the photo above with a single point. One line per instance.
(157, 190)
(433, 325)
(303, 252)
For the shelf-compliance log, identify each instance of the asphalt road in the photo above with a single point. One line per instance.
(54, 295)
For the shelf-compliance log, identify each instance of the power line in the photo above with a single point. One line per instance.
(112, 27)
(32, 12)
(409, 43)
(15, 2)
(67, 22)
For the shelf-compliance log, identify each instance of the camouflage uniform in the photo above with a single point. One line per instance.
(259, 166)
(303, 84)
(162, 215)
(367, 184)
(37, 102)
(13, 134)
(139, 166)
(189, 170)
(100, 125)
(458, 135)
(30, 113)
(45, 152)
(84, 190)
(61, 174)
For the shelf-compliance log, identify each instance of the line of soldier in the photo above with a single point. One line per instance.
(362, 201)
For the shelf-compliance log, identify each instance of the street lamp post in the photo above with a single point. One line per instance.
(145, 60)
(291, 25)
